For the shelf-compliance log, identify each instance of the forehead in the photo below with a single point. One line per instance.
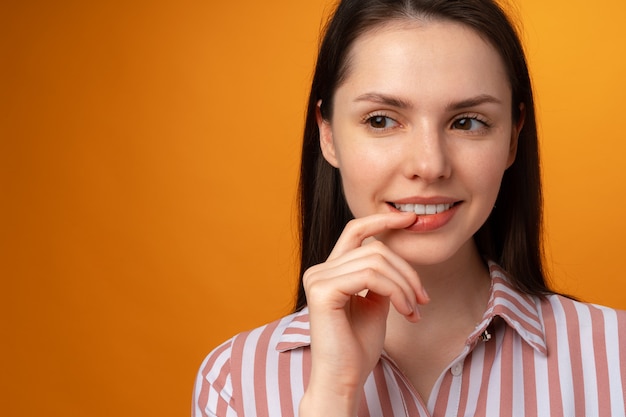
(425, 57)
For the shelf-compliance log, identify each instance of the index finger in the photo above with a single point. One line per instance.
(357, 230)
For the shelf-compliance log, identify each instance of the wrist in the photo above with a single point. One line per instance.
(324, 403)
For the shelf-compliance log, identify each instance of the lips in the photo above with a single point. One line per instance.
(430, 217)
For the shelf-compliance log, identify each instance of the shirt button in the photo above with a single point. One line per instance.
(457, 369)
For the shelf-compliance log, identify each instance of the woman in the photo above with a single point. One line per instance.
(420, 187)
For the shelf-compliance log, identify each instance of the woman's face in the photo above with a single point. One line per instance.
(422, 123)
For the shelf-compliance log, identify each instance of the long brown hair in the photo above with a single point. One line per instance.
(512, 235)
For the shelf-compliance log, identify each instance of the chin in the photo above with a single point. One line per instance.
(425, 255)
(431, 250)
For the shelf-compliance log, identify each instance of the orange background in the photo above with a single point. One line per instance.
(148, 163)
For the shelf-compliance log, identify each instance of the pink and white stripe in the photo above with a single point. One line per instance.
(547, 357)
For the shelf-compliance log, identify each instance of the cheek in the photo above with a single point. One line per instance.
(365, 175)
(487, 175)
(360, 183)
(478, 166)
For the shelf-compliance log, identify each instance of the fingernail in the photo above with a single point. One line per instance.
(409, 306)
(413, 310)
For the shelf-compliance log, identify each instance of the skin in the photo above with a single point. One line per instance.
(423, 116)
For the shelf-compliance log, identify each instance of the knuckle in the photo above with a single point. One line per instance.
(377, 261)
(355, 228)
(316, 291)
(377, 247)
(378, 258)
(308, 278)
(371, 277)
(370, 272)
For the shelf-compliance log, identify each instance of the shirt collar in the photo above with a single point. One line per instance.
(296, 333)
(518, 310)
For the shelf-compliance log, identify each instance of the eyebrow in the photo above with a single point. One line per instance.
(385, 99)
(473, 101)
(404, 104)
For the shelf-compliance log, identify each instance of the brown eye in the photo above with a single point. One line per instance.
(468, 124)
(381, 122)
(462, 124)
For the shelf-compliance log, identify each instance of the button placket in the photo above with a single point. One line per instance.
(457, 368)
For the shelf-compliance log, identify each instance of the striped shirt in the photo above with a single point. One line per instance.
(530, 356)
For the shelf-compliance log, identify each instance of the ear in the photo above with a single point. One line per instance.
(326, 137)
(515, 131)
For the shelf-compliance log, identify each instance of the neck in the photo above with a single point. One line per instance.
(459, 293)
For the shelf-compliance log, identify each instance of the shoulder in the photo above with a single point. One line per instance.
(561, 310)
(283, 334)
(586, 350)
(213, 385)
(572, 311)
(565, 317)
(236, 362)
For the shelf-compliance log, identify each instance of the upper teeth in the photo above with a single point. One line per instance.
(423, 208)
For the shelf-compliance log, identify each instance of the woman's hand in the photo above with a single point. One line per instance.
(348, 298)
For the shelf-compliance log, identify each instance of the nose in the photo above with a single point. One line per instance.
(427, 155)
